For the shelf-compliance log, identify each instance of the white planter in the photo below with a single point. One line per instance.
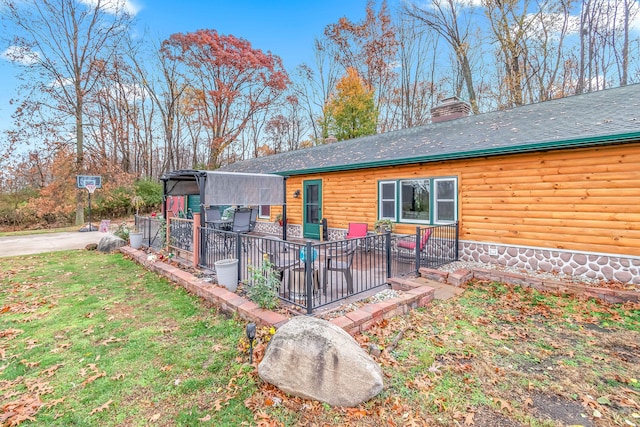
(135, 240)
(227, 272)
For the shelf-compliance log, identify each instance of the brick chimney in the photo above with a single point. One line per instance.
(450, 109)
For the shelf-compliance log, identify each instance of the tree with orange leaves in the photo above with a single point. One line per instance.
(351, 110)
(236, 80)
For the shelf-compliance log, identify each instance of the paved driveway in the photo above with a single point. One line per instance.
(49, 242)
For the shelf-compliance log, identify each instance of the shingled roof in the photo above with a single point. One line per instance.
(598, 118)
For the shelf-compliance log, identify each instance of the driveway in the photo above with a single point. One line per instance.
(48, 242)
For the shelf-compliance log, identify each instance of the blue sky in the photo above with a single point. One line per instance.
(287, 28)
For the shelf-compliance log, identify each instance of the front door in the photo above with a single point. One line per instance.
(312, 213)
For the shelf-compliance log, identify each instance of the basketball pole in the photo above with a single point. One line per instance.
(90, 229)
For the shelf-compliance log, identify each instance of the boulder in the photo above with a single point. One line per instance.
(110, 243)
(315, 359)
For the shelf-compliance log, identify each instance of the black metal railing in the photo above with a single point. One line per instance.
(153, 231)
(429, 247)
(181, 236)
(333, 270)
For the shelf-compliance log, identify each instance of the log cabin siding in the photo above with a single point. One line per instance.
(575, 199)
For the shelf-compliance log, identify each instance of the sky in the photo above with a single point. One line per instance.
(287, 28)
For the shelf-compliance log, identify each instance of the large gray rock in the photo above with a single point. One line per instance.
(315, 359)
(110, 243)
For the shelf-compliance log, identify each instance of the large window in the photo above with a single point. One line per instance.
(415, 200)
(419, 201)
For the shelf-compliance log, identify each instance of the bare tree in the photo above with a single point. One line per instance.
(68, 43)
(312, 87)
(452, 20)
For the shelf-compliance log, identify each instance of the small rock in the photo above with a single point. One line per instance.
(110, 243)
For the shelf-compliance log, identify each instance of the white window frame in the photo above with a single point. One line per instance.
(436, 199)
(260, 215)
(394, 200)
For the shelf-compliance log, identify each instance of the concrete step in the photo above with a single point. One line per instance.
(442, 290)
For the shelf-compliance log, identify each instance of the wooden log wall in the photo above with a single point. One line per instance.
(579, 199)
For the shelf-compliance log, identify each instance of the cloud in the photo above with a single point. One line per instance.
(21, 55)
(113, 6)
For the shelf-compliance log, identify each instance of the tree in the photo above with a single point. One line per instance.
(452, 20)
(67, 43)
(236, 80)
(351, 111)
(370, 47)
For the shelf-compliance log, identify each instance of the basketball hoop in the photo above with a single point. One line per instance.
(90, 188)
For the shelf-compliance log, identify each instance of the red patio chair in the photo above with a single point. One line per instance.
(409, 245)
(357, 229)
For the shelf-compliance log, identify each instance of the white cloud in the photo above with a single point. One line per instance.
(21, 55)
(113, 6)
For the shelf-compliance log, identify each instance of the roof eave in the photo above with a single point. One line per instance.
(525, 148)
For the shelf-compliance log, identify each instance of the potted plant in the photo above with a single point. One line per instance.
(280, 220)
(383, 225)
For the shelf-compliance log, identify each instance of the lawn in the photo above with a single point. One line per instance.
(95, 340)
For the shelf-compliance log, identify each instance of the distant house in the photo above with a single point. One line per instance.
(552, 186)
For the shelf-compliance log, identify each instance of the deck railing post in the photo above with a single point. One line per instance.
(239, 253)
(417, 250)
(387, 250)
(308, 260)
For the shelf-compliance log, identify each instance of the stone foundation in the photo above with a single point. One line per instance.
(596, 266)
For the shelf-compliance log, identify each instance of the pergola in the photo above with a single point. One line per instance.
(227, 188)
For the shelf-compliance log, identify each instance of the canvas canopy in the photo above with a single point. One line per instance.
(227, 188)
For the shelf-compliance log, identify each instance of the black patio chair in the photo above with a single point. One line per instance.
(241, 221)
(340, 259)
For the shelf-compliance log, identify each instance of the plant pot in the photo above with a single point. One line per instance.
(227, 272)
(135, 240)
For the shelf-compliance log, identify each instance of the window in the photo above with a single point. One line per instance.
(445, 200)
(265, 211)
(387, 200)
(419, 201)
(415, 197)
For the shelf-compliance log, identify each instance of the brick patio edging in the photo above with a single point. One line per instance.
(461, 277)
(231, 303)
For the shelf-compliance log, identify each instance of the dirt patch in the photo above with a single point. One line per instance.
(487, 417)
(557, 408)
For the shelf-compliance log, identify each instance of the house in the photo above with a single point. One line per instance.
(552, 186)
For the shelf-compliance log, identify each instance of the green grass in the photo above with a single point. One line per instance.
(102, 342)
(114, 333)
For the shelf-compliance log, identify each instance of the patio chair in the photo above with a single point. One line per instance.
(254, 218)
(357, 229)
(280, 253)
(340, 259)
(407, 247)
(241, 221)
(212, 213)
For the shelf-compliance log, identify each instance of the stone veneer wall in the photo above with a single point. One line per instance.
(592, 265)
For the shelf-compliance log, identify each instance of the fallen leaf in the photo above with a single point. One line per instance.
(205, 418)
(503, 404)
(154, 418)
(166, 368)
(102, 407)
(528, 402)
(468, 418)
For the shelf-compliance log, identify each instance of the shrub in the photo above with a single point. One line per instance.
(265, 281)
(150, 191)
